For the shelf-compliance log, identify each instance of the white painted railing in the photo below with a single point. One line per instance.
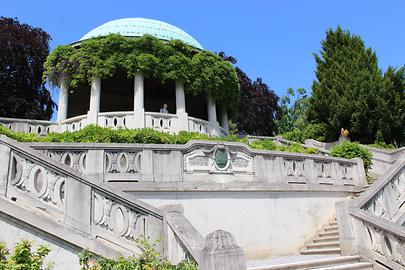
(40, 127)
(73, 124)
(199, 126)
(116, 120)
(161, 121)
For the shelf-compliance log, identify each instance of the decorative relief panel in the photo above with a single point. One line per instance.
(388, 245)
(117, 218)
(294, 167)
(37, 182)
(346, 172)
(219, 159)
(74, 159)
(123, 162)
(323, 169)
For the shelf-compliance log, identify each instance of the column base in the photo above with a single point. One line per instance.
(139, 118)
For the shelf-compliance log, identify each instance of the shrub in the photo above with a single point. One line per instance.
(382, 145)
(311, 131)
(352, 150)
(97, 134)
(150, 259)
(23, 257)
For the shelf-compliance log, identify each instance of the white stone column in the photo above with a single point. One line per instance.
(182, 120)
(224, 118)
(63, 100)
(95, 92)
(139, 110)
(212, 116)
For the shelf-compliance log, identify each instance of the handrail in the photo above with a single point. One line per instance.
(166, 115)
(116, 194)
(74, 119)
(19, 120)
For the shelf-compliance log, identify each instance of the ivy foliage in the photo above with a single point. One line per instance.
(23, 257)
(201, 70)
(97, 134)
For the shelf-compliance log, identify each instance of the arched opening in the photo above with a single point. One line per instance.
(79, 100)
(117, 93)
(157, 93)
(196, 106)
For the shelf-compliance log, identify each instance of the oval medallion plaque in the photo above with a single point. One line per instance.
(221, 158)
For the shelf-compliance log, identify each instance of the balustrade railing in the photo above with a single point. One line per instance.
(116, 120)
(40, 127)
(161, 121)
(198, 161)
(374, 224)
(82, 203)
(73, 124)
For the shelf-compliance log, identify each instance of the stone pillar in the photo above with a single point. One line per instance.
(95, 93)
(222, 252)
(181, 113)
(224, 119)
(212, 116)
(63, 100)
(139, 110)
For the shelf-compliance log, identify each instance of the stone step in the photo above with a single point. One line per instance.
(312, 264)
(351, 266)
(333, 223)
(331, 229)
(331, 244)
(320, 251)
(325, 239)
(328, 234)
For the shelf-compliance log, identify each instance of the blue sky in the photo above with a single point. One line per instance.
(273, 40)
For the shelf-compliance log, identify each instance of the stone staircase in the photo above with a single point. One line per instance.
(326, 241)
(334, 263)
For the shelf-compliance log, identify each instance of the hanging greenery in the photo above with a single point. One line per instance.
(200, 70)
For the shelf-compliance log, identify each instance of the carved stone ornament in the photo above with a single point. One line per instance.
(218, 159)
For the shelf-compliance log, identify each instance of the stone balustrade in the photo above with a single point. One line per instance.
(386, 198)
(206, 162)
(165, 122)
(34, 181)
(55, 198)
(373, 224)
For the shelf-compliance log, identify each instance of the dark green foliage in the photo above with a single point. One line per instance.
(23, 51)
(351, 150)
(350, 92)
(382, 145)
(258, 107)
(310, 131)
(201, 70)
(391, 104)
(150, 259)
(97, 134)
(294, 116)
(23, 257)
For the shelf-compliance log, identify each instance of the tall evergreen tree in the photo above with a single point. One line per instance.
(23, 51)
(348, 83)
(391, 104)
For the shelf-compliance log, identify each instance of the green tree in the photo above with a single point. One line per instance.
(294, 115)
(348, 83)
(258, 107)
(391, 104)
(23, 51)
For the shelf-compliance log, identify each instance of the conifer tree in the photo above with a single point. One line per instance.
(348, 83)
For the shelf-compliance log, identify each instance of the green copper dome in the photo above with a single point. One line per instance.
(137, 27)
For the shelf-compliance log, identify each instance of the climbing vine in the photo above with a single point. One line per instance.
(200, 70)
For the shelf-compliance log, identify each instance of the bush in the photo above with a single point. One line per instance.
(311, 131)
(150, 259)
(23, 257)
(351, 150)
(382, 145)
(97, 134)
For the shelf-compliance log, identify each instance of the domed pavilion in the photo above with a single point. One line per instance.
(144, 100)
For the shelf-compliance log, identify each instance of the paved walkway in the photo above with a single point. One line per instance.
(286, 259)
